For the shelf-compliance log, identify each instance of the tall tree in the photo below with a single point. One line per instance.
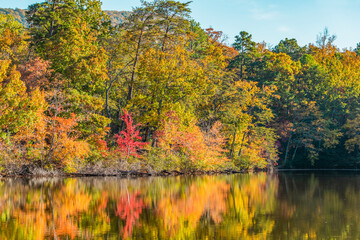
(291, 48)
(66, 32)
(246, 48)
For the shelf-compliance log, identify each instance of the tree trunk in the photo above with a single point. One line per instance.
(242, 144)
(108, 88)
(294, 154)
(233, 144)
(131, 84)
(107, 102)
(287, 151)
(52, 22)
(147, 132)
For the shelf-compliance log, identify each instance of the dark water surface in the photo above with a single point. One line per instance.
(295, 205)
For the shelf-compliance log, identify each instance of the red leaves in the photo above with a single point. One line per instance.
(36, 73)
(128, 140)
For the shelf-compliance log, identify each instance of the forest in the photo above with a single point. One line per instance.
(158, 92)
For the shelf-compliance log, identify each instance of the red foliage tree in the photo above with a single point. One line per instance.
(36, 73)
(129, 140)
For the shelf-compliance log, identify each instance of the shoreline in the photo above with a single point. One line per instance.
(124, 174)
(36, 173)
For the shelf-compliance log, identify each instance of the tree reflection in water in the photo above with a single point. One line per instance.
(248, 206)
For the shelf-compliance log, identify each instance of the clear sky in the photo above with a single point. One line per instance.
(266, 20)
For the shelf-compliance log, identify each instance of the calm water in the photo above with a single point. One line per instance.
(255, 206)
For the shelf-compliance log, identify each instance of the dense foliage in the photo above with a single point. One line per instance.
(159, 92)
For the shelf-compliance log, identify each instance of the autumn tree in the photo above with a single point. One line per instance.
(129, 140)
(13, 38)
(20, 113)
(67, 33)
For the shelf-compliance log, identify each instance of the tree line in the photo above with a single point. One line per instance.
(159, 92)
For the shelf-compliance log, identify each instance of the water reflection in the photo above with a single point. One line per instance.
(318, 206)
(255, 206)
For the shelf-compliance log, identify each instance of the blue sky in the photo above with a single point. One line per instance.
(266, 20)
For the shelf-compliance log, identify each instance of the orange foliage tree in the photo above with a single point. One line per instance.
(187, 141)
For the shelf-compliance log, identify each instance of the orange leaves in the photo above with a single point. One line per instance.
(215, 141)
(64, 125)
(176, 136)
(27, 131)
(169, 136)
(324, 53)
(53, 139)
(64, 148)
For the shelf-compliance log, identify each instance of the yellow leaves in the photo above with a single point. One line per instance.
(37, 106)
(247, 114)
(282, 63)
(341, 74)
(12, 85)
(174, 67)
(246, 95)
(12, 38)
(4, 65)
(323, 54)
(165, 80)
(17, 108)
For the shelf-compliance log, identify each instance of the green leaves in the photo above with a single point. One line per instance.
(67, 34)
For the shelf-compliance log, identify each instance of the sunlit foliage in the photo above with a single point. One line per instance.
(68, 79)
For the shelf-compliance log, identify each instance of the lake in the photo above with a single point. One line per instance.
(293, 205)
